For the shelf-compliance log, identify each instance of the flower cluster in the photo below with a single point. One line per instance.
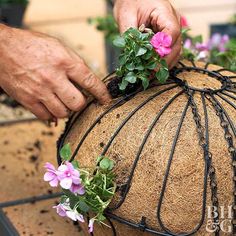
(142, 56)
(85, 191)
(66, 175)
(202, 50)
(219, 49)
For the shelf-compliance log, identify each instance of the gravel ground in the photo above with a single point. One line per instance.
(9, 113)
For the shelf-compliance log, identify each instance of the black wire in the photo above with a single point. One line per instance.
(225, 90)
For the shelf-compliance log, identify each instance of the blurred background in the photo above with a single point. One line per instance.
(68, 20)
(26, 143)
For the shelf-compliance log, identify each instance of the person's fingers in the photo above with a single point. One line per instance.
(54, 105)
(40, 111)
(174, 56)
(70, 95)
(166, 22)
(82, 75)
(126, 17)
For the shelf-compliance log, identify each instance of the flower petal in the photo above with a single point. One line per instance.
(54, 182)
(62, 168)
(167, 40)
(66, 183)
(71, 215)
(49, 166)
(80, 218)
(90, 226)
(48, 176)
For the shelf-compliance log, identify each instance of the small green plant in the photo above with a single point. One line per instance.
(142, 57)
(219, 50)
(86, 190)
(227, 58)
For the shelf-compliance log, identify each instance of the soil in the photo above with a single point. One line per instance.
(113, 87)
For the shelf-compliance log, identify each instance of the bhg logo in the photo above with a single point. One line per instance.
(224, 215)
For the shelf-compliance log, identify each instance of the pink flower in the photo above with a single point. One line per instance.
(161, 43)
(188, 44)
(75, 216)
(90, 226)
(77, 189)
(51, 175)
(70, 178)
(218, 41)
(202, 47)
(184, 22)
(61, 211)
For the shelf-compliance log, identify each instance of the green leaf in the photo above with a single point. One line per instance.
(147, 55)
(139, 67)
(123, 84)
(164, 63)
(145, 82)
(123, 59)
(106, 164)
(151, 65)
(185, 30)
(65, 152)
(101, 217)
(149, 46)
(197, 39)
(131, 78)
(119, 72)
(63, 198)
(141, 51)
(119, 42)
(83, 206)
(162, 75)
(130, 66)
(75, 164)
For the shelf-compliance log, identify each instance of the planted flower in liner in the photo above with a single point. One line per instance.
(86, 191)
(142, 56)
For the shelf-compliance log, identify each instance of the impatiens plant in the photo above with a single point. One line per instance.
(142, 56)
(219, 49)
(87, 191)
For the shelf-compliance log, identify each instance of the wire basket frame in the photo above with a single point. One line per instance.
(224, 92)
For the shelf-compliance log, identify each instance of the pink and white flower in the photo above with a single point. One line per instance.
(70, 178)
(51, 175)
(63, 209)
(218, 41)
(161, 42)
(90, 225)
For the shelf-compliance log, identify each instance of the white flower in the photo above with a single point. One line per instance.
(74, 215)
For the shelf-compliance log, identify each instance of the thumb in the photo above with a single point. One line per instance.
(126, 16)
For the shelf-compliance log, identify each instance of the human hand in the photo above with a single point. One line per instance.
(40, 73)
(159, 15)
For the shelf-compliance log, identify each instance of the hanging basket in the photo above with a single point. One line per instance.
(174, 152)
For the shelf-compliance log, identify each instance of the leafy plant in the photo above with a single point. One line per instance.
(107, 25)
(219, 50)
(227, 58)
(86, 190)
(139, 59)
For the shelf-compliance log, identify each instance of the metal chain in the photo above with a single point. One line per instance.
(229, 139)
(208, 158)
